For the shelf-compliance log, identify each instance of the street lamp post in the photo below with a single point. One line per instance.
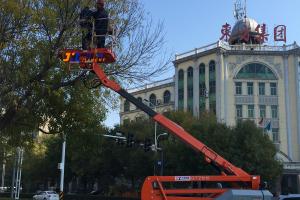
(155, 124)
(62, 168)
(161, 152)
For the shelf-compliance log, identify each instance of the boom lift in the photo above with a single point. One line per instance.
(232, 183)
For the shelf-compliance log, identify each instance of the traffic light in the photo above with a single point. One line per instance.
(147, 144)
(130, 140)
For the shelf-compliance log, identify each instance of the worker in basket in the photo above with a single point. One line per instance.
(86, 25)
(101, 24)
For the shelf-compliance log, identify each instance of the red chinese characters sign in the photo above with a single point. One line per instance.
(226, 31)
(280, 33)
(261, 33)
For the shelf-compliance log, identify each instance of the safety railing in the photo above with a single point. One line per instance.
(240, 47)
(105, 32)
(151, 85)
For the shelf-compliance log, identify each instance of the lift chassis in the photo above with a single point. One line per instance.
(178, 187)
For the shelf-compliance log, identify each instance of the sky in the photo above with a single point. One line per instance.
(190, 24)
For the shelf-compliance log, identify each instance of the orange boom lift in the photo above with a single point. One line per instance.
(170, 187)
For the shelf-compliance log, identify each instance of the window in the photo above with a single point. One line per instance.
(167, 96)
(261, 88)
(140, 99)
(190, 109)
(212, 66)
(180, 94)
(275, 134)
(239, 111)
(256, 71)
(152, 100)
(274, 111)
(212, 106)
(202, 68)
(190, 87)
(138, 117)
(262, 111)
(190, 92)
(126, 106)
(201, 104)
(250, 111)
(202, 89)
(212, 87)
(180, 75)
(126, 121)
(190, 72)
(238, 88)
(180, 89)
(250, 88)
(273, 88)
(202, 78)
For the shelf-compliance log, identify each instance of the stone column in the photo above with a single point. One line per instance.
(226, 90)
(220, 87)
(297, 79)
(287, 106)
(207, 85)
(185, 97)
(176, 88)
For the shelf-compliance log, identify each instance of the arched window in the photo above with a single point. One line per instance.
(190, 89)
(256, 71)
(126, 120)
(212, 66)
(202, 68)
(190, 72)
(202, 88)
(126, 106)
(180, 75)
(152, 100)
(167, 96)
(180, 89)
(139, 117)
(140, 99)
(212, 86)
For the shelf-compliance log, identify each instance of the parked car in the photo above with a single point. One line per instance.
(46, 195)
(289, 197)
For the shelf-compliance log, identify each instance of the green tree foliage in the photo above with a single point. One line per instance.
(91, 158)
(36, 89)
(245, 146)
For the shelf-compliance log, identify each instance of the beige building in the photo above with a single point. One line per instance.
(240, 80)
(158, 95)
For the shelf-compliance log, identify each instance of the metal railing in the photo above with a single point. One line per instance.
(109, 36)
(226, 46)
(151, 85)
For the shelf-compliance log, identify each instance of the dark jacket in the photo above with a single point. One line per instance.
(86, 18)
(101, 21)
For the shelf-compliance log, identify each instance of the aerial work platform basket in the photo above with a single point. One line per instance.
(81, 59)
(84, 59)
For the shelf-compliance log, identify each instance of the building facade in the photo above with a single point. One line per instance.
(158, 95)
(243, 80)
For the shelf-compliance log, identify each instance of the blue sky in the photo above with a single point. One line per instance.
(190, 24)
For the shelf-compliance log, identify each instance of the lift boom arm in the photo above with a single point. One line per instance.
(210, 155)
